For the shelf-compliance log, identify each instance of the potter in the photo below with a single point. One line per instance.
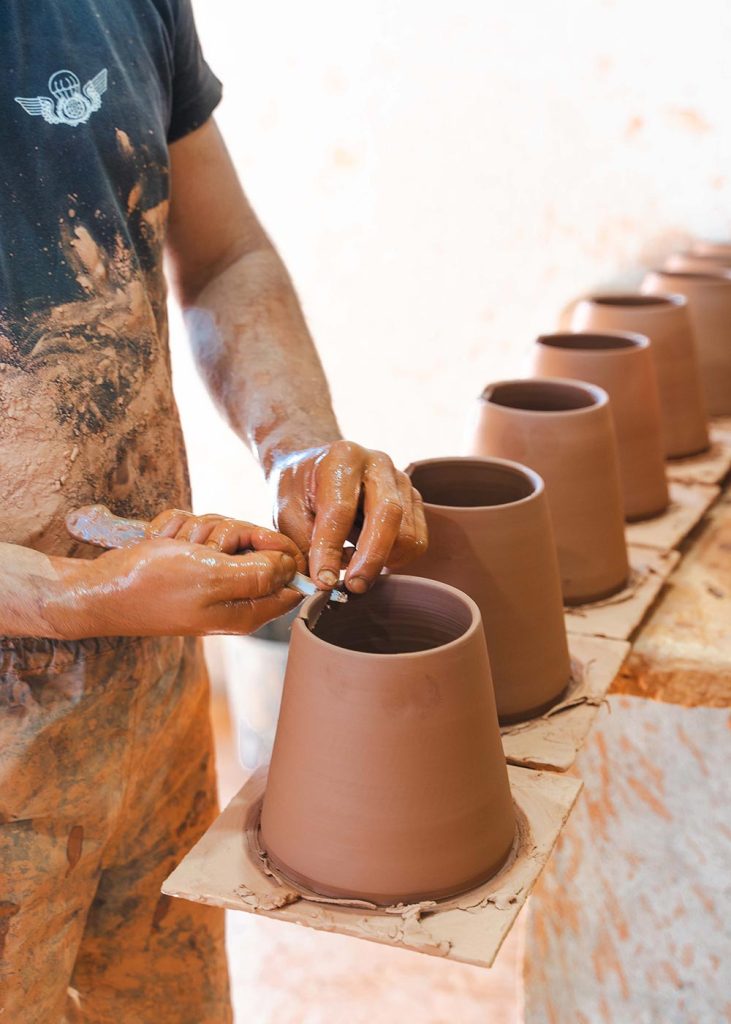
(105, 744)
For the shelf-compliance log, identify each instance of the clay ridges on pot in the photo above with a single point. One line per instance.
(404, 619)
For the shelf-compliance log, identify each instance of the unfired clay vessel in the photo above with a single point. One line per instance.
(621, 364)
(692, 262)
(664, 320)
(490, 535)
(705, 247)
(709, 305)
(388, 780)
(563, 429)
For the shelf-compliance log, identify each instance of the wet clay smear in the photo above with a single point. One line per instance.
(85, 385)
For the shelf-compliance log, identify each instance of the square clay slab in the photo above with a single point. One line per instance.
(618, 616)
(688, 505)
(224, 869)
(710, 467)
(553, 740)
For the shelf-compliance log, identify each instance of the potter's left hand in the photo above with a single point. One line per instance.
(338, 492)
(230, 536)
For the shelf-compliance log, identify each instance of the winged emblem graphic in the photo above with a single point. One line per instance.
(71, 104)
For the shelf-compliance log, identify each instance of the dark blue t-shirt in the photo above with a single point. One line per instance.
(92, 92)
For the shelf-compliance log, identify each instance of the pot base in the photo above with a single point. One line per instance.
(310, 886)
(526, 716)
(619, 615)
(585, 601)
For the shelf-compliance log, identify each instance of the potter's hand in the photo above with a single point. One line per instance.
(339, 492)
(154, 585)
(231, 536)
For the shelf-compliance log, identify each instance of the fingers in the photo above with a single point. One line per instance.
(223, 534)
(413, 538)
(169, 522)
(338, 486)
(96, 524)
(383, 514)
(293, 512)
(232, 536)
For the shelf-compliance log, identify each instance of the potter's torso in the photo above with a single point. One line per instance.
(87, 412)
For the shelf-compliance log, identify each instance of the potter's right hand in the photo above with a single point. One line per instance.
(167, 587)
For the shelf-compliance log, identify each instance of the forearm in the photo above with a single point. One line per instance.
(42, 595)
(258, 359)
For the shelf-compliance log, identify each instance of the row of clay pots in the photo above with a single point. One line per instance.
(395, 689)
(388, 781)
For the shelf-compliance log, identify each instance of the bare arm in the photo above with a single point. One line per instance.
(260, 364)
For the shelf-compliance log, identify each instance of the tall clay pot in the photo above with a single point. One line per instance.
(664, 320)
(388, 780)
(693, 263)
(621, 364)
(563, 430)
(490, 535)
(704, 247)
(709, 305)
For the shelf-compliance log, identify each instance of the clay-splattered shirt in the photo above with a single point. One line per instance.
(91, 94)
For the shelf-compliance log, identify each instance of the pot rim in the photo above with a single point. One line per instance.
(638, 342)
(697, 276)
(317, 602)
(535, 479)
(653, 302)
(599, 396)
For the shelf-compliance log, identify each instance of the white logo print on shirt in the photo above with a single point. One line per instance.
(71, 105)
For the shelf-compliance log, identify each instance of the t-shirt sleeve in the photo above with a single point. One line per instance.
(196, 90)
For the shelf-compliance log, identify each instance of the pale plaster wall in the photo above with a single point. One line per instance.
(442, 177)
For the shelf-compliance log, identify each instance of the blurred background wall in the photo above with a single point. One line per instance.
(442, 177)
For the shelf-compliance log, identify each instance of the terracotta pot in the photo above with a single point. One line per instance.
(664, 320)
(388, 780)
(703, 247)
(563, 430)
(490, 535)
(621, 364)
(709, 306)
(693, 263)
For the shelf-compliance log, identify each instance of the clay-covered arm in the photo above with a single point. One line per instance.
(258, 359)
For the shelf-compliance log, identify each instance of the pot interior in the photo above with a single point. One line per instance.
(634, 300)
(541, 395)
(471, 483)
(586, 342)
(399, 615)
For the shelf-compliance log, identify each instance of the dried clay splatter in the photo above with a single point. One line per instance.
(86, 391)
